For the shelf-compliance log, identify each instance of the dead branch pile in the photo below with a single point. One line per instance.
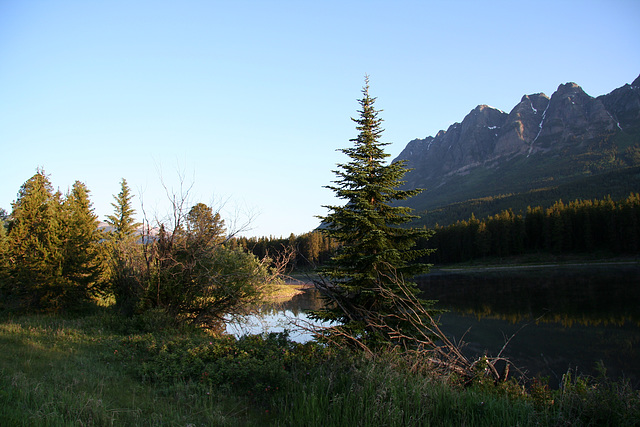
(424, 344)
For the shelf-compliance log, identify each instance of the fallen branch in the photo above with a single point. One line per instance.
(411, 329)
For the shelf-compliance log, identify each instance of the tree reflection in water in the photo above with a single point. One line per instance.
(585, 295)
(590, 314)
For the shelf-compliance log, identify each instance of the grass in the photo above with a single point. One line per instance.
(66, 372)
(105, 370)
(284, 292)
(369, 393)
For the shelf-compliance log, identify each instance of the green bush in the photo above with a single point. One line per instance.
(255, 364)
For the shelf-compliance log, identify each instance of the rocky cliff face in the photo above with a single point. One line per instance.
(570, 123)
(624, 106)
(522, 126)
(463, 145)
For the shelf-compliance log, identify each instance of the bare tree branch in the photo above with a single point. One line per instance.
(424, 341)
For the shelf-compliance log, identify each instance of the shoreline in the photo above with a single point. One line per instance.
(538, 266)
(305, 279)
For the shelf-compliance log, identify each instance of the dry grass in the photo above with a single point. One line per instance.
(283, 293)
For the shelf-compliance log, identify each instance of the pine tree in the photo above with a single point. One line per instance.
(81, 267)
(205, 229)
(122, 220)
(4, 249)
(34, 247)
(124, 270)
(375, 250)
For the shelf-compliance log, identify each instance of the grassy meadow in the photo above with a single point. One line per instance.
(102, 369)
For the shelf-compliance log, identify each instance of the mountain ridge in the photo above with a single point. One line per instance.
(543, 140)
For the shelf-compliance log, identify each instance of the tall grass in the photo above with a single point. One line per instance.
(383, 391)
(106, 370)
(376, 392)
(62, 372)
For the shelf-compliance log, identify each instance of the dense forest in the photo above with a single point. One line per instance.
(582, 226)
(617, 184)
(311, 249)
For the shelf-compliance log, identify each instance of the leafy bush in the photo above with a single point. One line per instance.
(202, 287)
(254, 364)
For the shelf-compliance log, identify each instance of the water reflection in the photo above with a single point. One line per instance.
(589, 314)
(584, 295)
(291, 315)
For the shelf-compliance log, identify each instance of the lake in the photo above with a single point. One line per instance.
(563, 317)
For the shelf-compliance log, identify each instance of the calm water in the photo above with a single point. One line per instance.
(562, 317)
(290, 315)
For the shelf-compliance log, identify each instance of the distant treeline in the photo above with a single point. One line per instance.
(312, 249)
(580, 226)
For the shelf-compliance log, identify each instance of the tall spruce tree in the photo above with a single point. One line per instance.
(80, 238)
(34, 246)
(376, 252)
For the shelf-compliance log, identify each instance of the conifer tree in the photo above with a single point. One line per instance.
(124, 269)
(376, 251)
(205, 229)
(4, 246)
(122, 219)
(81, 267)
(34, 248)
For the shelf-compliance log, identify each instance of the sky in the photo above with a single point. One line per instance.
(245, 103)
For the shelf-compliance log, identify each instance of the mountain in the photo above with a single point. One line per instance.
(543, 143)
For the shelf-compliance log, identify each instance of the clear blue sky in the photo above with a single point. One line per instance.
(251, 99)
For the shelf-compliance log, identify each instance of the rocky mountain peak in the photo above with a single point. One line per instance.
(534, 97)
(568, 88)
(568, 121)
(572, 115)
(486, 109)
(483, 115)
(623, 104)
(522, 125)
